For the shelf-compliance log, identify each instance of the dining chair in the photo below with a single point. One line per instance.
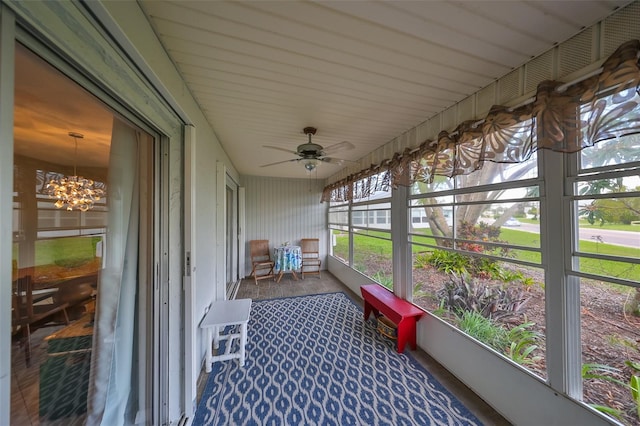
(31, 311)
(311, 262)
(261, 260)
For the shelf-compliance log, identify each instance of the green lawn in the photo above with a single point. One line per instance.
(611, 226)
(521, 238)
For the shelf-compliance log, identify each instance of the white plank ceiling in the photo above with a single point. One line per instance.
(360, 71)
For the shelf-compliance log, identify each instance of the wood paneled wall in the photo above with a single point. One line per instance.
(279, 210)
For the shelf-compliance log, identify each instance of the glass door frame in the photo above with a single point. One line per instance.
(7, 59)
(157, 378)
(232, 229)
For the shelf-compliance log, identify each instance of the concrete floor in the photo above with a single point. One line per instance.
(327, 283)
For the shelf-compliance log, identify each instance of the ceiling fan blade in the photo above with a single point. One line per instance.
(280, 149)
(334, 160)
(340, 146)
(281, 162)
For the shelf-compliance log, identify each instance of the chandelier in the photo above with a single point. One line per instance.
(74, 191)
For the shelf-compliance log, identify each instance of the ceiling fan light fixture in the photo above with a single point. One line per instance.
(310, 154)
(310, 164)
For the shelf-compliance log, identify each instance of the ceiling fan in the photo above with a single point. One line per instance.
(311, 153)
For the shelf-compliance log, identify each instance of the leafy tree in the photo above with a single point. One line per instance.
(619, 210)
(614, 151)
(439, 218)
(592, 213)
(601, 186)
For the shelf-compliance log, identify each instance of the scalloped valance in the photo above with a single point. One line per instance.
(563, 118)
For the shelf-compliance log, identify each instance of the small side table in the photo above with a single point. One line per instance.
(288, 259)
(221, 314)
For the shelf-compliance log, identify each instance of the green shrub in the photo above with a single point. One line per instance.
(449, 262)
(383, 279)
(421, 260)
(487, 268)
(481, 328)
(522, 343)
(518, 344)
(460, 264)
(418, 292)
(510, 276)
(634, 384)
(527, 281)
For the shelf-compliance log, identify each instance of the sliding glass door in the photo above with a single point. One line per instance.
(231, 238)
(83, 243)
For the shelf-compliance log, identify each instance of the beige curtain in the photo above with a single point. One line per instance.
(563, 119)
(112, 377)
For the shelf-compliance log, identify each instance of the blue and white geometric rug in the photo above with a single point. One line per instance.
(312, 360)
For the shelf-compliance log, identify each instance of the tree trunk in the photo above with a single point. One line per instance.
(633, 306)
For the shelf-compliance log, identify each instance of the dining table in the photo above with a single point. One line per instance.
(288, 259)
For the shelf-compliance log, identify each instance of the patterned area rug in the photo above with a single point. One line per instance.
(312, 360)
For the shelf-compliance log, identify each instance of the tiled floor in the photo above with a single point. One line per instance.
(327, 283)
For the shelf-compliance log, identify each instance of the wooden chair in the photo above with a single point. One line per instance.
(30, 311)
(261, 260)
(311, 262)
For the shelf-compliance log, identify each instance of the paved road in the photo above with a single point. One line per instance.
(622, 238)
(607, 236)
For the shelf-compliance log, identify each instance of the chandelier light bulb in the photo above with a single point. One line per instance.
(74, 192)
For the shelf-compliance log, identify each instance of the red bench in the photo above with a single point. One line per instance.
(405, 315)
